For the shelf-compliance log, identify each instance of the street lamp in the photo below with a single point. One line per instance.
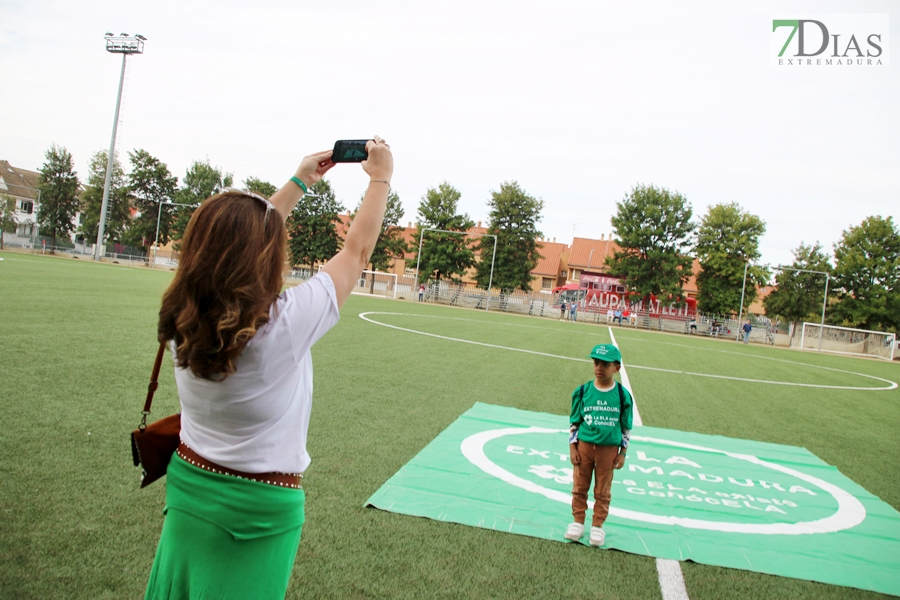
(123, 44)
(158, 215)
(824, 300)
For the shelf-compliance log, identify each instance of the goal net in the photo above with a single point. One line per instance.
(377, 283)
(844, 340)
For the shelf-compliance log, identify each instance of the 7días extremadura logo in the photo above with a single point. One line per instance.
(832, 40)
(668, 482)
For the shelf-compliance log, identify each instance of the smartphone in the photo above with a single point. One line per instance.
(349, 151)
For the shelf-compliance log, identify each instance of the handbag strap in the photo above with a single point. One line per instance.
(154, 383)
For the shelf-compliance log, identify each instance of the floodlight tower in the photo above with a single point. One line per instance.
(123, 44)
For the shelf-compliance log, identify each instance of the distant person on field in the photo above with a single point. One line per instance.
(235, 507)
(618, 316)
(693, 325)
(562, 311)
(421, 292)
(573, 311)
(600, 426)
(610, 315)
(747, 329)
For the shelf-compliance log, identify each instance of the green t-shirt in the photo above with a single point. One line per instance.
(599, 416)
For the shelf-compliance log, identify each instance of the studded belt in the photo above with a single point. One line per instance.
(288, 480)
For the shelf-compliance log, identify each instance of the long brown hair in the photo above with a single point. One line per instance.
(229, 274)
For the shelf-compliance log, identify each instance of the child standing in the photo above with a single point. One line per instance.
(600, 425)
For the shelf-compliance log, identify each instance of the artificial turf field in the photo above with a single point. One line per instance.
(78, 344)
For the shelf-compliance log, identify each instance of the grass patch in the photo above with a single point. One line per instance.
(80, 341)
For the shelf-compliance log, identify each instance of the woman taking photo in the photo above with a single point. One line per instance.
(234, 498)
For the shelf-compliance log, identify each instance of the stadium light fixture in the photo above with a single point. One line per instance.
(125, 45)
(487, 307)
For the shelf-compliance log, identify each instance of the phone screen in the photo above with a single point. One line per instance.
(349, 151)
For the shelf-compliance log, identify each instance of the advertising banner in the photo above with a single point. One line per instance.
(685, 496)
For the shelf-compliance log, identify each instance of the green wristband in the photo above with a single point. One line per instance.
(300, 183)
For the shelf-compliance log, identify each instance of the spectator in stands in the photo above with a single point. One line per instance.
(692, 325)
(234, 501)
(562, 311)
(746, 329)
(714, 327)
(421, 292)
(618, 316)
(573, 311)
(610, 315)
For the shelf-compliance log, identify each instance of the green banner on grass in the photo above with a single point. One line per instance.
(685, 496)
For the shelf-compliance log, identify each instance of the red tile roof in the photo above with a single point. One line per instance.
(551, 253)
(582, 256)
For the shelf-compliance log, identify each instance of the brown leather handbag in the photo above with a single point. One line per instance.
(152, 445)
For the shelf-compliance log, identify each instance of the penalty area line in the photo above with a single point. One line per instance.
(671, 579)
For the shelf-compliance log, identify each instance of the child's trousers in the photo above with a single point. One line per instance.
(597, 462)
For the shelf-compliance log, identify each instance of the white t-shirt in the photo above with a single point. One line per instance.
(256, 420)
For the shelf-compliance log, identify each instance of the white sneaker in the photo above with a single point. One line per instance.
(574, 531)
(598, 536)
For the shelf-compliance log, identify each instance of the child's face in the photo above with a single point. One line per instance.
(604, 371)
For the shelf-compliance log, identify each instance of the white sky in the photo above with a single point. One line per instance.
(577, 101)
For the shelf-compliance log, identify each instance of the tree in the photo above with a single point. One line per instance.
(727, 240)
(264, 188)
(867, 276)
(151, 185)
(653, 227)
(798, 295)
(390, 244)
(118, 215)
(443, 254)
(513, 219)
(8, 221)
(311, 226)
(59, 194)
(201, 181)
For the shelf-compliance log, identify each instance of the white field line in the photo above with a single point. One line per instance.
(671, 579)
(891, 385)
(637, 421)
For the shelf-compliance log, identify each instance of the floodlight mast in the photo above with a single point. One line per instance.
(123, 44)
(487, 306)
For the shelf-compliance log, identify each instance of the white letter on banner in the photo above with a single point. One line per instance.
(680, 474)
(799, 488)
(657, 470)
(766, 485)
(643, 456)
(771, 508)
(748, 482)
(515, 449)
(710, 478)
(541, 453)
(680, 460)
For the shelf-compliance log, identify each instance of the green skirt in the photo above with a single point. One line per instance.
(225, 537)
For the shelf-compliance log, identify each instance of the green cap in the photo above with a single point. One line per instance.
(606, 353)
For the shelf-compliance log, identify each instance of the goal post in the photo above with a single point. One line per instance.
(845, 340)
(376, 283)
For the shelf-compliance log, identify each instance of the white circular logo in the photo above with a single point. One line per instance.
(850, 512)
